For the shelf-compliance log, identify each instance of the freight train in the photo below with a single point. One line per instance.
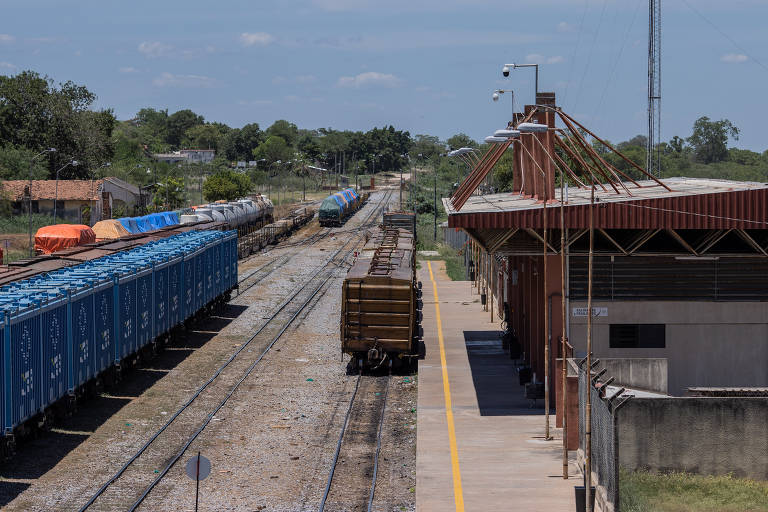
(381, 302)
(63, 329)
(337, 207)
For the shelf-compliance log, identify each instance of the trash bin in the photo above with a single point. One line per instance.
(525, 375)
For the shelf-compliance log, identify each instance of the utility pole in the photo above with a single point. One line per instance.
(434, 235)
(564, 340)
(653, 151)
(588, 407)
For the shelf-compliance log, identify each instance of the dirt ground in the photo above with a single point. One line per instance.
(270, 446)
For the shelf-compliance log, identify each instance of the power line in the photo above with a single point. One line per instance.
(729, 38)
(589, 55)
(618, 58)
(575, 49)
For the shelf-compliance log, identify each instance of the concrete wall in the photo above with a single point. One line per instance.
(707, 343)
(708, 436)
(649, 374)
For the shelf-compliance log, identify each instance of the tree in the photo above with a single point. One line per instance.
(710, 139)
(227, 184)
(203, 136)
(285, 130)
(461, 140)
(178, 124)
(14, 164)
(169, 194)
(36, 114)
(272, 150)
(677, 143)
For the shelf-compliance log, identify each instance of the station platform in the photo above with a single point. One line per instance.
(480, 444)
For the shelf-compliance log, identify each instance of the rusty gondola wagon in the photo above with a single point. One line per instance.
(381, 302)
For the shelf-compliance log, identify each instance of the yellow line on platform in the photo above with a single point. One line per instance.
(458, 494)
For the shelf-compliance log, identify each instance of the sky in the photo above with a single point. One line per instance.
(426, 66)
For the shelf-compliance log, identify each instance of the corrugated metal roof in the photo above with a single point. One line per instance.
(692, 203)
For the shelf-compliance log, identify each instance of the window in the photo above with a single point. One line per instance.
(637, 336)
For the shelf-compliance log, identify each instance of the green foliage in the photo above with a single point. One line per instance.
(177, 125)
(238, 144)
(285, 130)
(20, 223)
(203, 136)
(229, 185)
(681, 492)
(461, 140)
(169, 194)
(710, 139)
(15, 162)
(272, 150)
(36, 114)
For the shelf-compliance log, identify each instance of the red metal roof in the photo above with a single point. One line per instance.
(690, 204)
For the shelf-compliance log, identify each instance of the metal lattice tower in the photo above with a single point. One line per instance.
(653, 151)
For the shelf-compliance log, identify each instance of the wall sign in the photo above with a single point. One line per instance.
(595, 312)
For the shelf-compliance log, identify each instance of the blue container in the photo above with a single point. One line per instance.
(54, 333)
(23, 363)
(61, 329)
(82, 331)
(175, 286)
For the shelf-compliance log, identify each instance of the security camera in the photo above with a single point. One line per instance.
(505, 71)
(495, 96)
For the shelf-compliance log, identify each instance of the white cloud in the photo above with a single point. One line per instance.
(369, 78)
(256, 38)
(536, 58)
(7, 65)
(155, 49)
(128, 69)
(564, 27)
(6, 38)
(734, 58)
(170, 80)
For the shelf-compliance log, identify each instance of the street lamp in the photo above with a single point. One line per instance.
(29, 202)
(507, 67)
(73, 163)
(497, 94)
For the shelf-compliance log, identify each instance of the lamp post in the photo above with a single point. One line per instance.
(434, 204)
(73, 163)
(497, 94)
(507, 67)
(29, 198)
(269, 177)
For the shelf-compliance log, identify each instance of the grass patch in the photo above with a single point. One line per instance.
(454, 262)
(20, 223)
(681, 492)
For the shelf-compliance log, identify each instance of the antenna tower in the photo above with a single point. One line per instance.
(653, 151)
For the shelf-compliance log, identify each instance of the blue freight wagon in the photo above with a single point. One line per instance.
(60, 330)
(337, 207)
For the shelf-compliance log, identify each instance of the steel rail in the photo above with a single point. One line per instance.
(378, 441)
(199, 391)
(223, 402)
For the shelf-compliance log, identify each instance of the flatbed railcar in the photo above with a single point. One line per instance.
(381, 302)
(64, 329)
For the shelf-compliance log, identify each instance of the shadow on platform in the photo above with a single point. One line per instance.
(495, 377)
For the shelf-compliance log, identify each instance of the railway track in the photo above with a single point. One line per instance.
(351, 483)
(170, 442)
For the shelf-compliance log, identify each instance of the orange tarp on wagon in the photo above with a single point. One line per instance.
(61, 236)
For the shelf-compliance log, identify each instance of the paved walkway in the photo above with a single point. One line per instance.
(487, 451)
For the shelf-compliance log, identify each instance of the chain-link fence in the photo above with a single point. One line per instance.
(604, 438)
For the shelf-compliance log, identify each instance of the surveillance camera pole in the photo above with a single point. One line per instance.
(507, 67)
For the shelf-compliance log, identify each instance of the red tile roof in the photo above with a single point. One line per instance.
(69, 190)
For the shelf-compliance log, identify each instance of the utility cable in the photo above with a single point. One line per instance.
(729, 38)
